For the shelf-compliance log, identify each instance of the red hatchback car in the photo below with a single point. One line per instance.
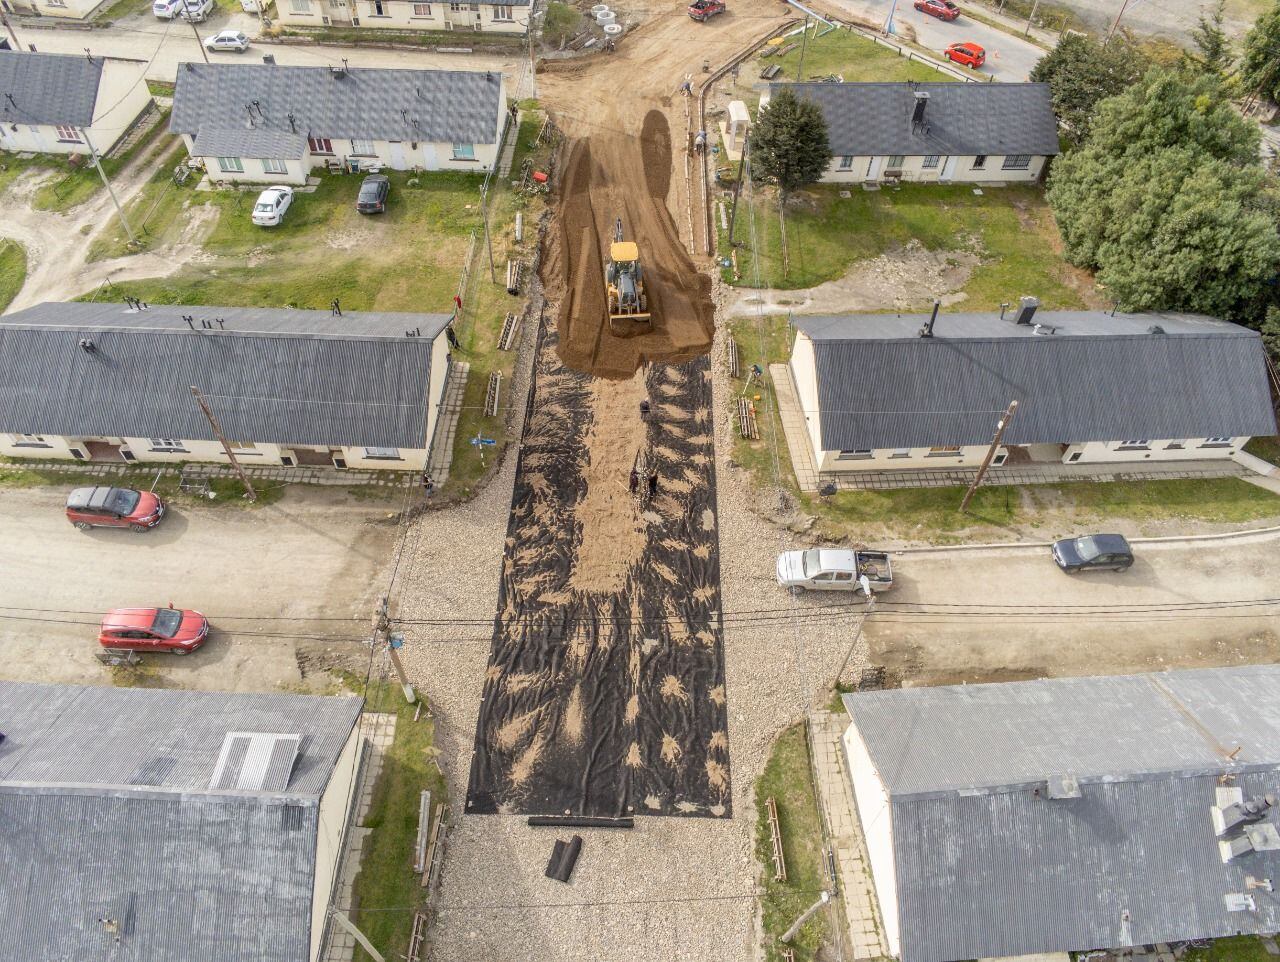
(114, 508)
(966, 54)
(942, 9)
(154, 629)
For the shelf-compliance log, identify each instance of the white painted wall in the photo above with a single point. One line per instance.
(886, 459)
(122, 96)
(403, 15)
(49, 446)
(411, 459)
(1184, 449)
(335, 803)
(872, 802)
(66, 9)
(805, 375)
(863, 169)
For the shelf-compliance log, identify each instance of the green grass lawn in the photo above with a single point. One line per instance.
(81, 182)
(1010, 229)
(386, 879)
(851, 56)
(13, 270)
(1239, 948)
(1266, 448)
(15, 473)
(787, 779)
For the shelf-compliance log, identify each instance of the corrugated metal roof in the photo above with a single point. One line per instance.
(48, 88)
(111, 737)
(988, 865)
(449, 106)
(255, 761)
(254, 143)
(272, 376)
(868, 119)
(1099, 378)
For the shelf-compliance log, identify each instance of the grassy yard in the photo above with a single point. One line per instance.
(1266, 448)
(851, 56)
(1240, 948)
(1009, 229)
(1004, 512)
(386, 878)
(15, 473)
(787, 779)
(13, 270)
(358, 36)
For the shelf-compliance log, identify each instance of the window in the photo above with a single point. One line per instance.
(1016, 162)
(379, 8)
(896, 160)
(230, 165)
(422, 9)
(846, 162)
(464, 152)
(382, 454)
(1174, 446)
(944, 451)
(57, 3)
(931, 160)
(1142, 444)
(457, 7)
(501, 11)
(166, 444)
(244, 447)
(980, 162)
(68, 135)
(29, 441)
(300, 6)
(901, 453)
(362, 148)
(274, 166)
(854, 454)
(320, 145)
(1216, 443)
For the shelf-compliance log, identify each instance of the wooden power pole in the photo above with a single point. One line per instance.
(991, 453)
(226, 445)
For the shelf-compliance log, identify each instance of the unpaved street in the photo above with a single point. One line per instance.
(1129, 628)
(266, 577)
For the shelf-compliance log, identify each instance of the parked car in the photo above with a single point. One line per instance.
(172, 630)
(271, 205)
(942, 9)
(835, 569)
(114, 508)
(966, 54)
(373, 194)
(704, 10)
(197, 11)
(227, 40)
(1092, 552)
(167, 9)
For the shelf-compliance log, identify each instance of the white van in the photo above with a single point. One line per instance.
(167, 9)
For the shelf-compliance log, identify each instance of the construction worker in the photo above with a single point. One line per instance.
(700, 141)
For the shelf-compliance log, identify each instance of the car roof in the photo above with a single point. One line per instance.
(129, 617)
(836, 559)
(376, 178)
(969, 45)
(91, 497)
(1111, 542)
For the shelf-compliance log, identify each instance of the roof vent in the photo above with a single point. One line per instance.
(268, 58)
(88, 346)
(927, 330)
(1026, 310)
(1043, 329)
(1229, 817)
(1240, 902)
(1064, 785)
(1155, 329)
(1256, 838)
(917, 112)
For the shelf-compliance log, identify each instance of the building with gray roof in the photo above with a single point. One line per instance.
(370, 16)
(272, 123)
(934, 132)
(897, 391)
(1070, 814)
(112, 382)
(53, 103)
(139, 825)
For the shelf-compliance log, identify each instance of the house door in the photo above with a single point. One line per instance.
(873, 168)
(103, 451)
(429, 159)
(948, 169)
(397, 155)
(312, 458)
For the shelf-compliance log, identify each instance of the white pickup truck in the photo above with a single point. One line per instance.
(835, 569)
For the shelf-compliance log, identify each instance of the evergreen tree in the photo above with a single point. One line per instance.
(1260, 59)
(1212, 42)
(1081, 72)
(789, 142)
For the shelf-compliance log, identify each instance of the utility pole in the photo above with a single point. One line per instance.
(4, 18)
(804, 42)
(1034, 7)
(737, 188)
(196, 33)
(857, 635)
(991, 453)
(226, 445)
(790, 934)
(97, 163)
(1110, 33)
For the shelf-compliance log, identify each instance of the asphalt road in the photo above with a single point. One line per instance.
(302, 566)
(1016, 642)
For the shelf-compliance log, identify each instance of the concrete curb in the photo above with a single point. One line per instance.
(1225, 536)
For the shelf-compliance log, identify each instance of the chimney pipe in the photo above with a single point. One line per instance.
(927, 330)
(190, 321)
(1026, 310)
(917, 114)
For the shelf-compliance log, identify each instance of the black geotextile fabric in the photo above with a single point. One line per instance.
(607, 704)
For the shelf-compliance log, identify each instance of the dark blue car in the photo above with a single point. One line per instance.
(1093, 551)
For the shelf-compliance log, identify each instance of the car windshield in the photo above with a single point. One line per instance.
(167, 622)
(265, 206)
(1087, 548)
(810, 562)
(123, 501)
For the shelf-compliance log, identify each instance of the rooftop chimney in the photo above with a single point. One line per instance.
(268, 58)
(917, 113)
(88, 345)
(1227, 818)
(927, 330)
(1026, 310)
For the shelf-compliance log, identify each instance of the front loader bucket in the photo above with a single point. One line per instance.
(630, 325)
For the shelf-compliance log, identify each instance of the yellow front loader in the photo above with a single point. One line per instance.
(624, 280)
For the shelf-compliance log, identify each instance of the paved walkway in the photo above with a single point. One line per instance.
(1031, 474)
(836, 797)
(378, 731)
(447, 425)
(793, 426)
(509, 150)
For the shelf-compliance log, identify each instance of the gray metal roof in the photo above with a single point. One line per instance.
(271, 375)
(449, 106)
(106, 812)
(48, 88)
(1098, 378)
(256, 143)
(988, 865)
(961, 118)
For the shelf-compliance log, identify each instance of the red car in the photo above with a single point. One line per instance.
(942, 9)
(154, 629)
(114, 508)
(966, 54)
(704, 10)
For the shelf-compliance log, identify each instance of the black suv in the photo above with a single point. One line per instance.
(373, 194)
(1093, 551)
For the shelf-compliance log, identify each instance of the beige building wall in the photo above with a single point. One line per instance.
(38, 446)
(122, 96)
(877, 830)
(335, 804)
(953, 169)
(404, 15)
(901, 459)
(1180, 449)
(805, 375)
(65, 9)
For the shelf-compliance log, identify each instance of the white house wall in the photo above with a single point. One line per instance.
(63, 9)
(335, 804)
(1184, 449)
(122, 96)
(805, 375)
(888, 459)
(40, 139)
(877, 830)
(955, 169)
(401, 15)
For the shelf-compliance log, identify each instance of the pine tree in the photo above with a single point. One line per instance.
(789, 142)
(1081, 72)
(1212, 41)
(1260, 60)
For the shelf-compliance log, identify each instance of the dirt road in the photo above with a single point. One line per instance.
(302, 567)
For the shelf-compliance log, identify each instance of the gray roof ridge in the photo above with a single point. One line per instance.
(1048, 338)
(210, 332)
(153, 791)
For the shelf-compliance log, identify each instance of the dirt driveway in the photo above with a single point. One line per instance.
(307, 566)
(1031, 638)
